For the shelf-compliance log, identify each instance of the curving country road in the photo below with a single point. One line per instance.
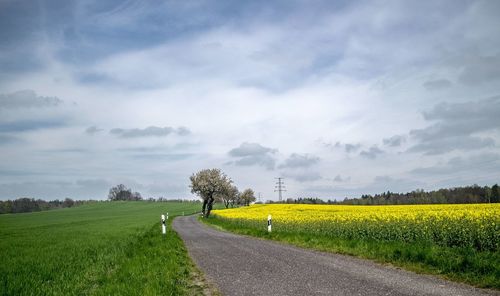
(240, 265)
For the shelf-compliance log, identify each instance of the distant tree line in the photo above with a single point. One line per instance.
(24, 205)
(456, 195)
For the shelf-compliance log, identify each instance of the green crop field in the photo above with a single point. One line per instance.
(111, 248)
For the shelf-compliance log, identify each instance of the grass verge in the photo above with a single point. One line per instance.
(481, 269)
(154, 265)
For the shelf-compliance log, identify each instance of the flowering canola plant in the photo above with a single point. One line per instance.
(468, 225)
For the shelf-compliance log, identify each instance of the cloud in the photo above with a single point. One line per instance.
(297, 165)
(378, 184)
(448, 144)
(301, 176)
(351, 147)
(80, 189)
(29, 125)
(387, 183)
(339, 179)
(347, 147)
(93, 78)
(394, 141)
(371, 153)
(300, 161)
(8, 139)
(93, 183)
(481, 163)
(437, 84)
(481, 69)
(151, 131)
(456, 125)
(365, 68)
(167, 190)
(254, 154)
(168, 157)
(250, 149)
(27, 99)
(93, 130)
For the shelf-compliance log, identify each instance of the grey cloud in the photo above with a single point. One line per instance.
(254, 154)
(371, 153)
(300, 161)
(7, 139)
(447, 144)
(66, 150)
(303, 176)
(320, 189)
(266, 161)
(250, 149)
(27, 99)
(81, 189)
(339, 179)
(481, 69)
(383, 179)
(183, 131)
(20, 173)
(455, 126)
(486, 162)
(351, 147)
(163, 156)
(150, 131)
(93, 183)
(29, 125)
(183, 146)
(347, 147)
(93, 130)
(167, 190)
(379, 184)
(437, 84)
(394, 141)
(93, 78)
(388, 183)
(482, 112)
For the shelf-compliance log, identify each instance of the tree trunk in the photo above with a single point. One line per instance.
(209, 206)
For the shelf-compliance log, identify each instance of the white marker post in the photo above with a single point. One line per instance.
(269, 223)
(163, 226)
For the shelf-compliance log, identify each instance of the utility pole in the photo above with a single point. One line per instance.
(280, 187)
(259, 198)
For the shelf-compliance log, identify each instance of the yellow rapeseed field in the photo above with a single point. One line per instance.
(468, 225)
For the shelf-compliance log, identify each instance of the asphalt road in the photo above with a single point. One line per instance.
(240, 265)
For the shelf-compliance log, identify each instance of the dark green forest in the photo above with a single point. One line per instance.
(456, 195)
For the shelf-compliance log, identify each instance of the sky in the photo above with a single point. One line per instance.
(339, 98)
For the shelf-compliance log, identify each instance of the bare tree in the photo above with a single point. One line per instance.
(209, 184)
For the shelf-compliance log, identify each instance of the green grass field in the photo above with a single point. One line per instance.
(112, 248)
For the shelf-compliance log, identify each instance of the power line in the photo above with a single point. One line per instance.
(280, 187)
